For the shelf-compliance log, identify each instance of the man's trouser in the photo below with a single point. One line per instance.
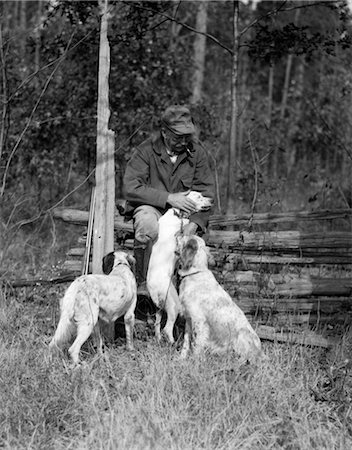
(146, 227)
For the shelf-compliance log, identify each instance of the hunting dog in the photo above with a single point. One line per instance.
(213, 320)
(90, 297)
(162, 264)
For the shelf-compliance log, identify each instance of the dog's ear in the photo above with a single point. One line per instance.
(132, 262)
(211, 259)
(187, 253)
(108, 262)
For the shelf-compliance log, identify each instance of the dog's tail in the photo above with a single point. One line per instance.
(66, 326)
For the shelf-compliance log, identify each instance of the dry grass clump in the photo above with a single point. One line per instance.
(151, 399)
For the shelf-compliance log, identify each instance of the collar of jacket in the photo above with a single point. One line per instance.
(160, 149)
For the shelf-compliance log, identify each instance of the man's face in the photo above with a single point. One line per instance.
(177, 143)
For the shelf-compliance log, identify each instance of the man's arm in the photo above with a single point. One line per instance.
(136, 182)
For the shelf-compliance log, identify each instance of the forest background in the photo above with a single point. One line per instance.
(291, 148)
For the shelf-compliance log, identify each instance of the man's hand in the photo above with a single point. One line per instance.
(180, 201)
(189, 229)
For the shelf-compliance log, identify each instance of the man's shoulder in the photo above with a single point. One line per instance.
(148, 144)
(144, 145)
(199, 149)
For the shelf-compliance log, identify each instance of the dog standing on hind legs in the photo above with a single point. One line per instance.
(90, 297)
(213, 321)
(162, 264)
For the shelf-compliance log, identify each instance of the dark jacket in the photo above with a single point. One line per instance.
(150, 176)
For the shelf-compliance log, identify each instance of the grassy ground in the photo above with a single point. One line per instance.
(150, 399)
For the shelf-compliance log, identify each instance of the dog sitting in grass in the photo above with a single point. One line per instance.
(213, 321)
(90, 297)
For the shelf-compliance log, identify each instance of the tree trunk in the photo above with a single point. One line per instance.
(292, 156)
(4, 95)
(244, 98)
(199, 49)
(103, 230)
(286, 86)
(8, 14)
(175, 27)
(37, 35)
(288, 75)
(232, 172)
(23, 27)
(270, 93)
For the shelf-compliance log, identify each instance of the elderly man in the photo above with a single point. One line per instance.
(159, 175)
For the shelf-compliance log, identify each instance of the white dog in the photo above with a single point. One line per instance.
(162, 264)
(91, 296)
(213, 320)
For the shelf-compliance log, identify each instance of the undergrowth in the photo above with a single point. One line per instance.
(151, 399)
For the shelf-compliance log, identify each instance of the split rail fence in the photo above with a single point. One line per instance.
(284, 269)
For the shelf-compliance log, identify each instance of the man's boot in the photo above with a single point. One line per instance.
(142, 252)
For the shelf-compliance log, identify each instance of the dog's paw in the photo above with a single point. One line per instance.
(76, 368)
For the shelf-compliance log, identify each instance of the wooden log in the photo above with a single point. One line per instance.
(75, 266)
(287, 217)
(282, 240)
(283, 285)
(324, 305)
(308, 338)
(64, 278)
(71, 215)
(289, 320)
(78, 217)
(76, 251)
(232, 260)
(236, 257)
(286, 291)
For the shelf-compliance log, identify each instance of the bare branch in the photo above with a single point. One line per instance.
(332, 136)
(43, 213)
(258, 19)
(184, 25)
(281, 8)
(4, 88)
(255, 164)
(30, 77)
(31, 117)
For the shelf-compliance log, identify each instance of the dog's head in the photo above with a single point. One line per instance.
(113, 259)
(202, 203)
(193, 254)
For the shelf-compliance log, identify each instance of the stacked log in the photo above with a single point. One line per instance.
(269, 272)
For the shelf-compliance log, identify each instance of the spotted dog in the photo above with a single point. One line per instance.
(213, 321)
(90, 297)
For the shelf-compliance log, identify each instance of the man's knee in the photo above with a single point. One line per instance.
(145, 223)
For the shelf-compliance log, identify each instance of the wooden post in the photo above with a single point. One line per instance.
(103, 230)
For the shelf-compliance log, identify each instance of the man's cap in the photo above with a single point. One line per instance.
(178, 119)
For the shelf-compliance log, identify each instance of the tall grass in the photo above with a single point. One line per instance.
(151, 399)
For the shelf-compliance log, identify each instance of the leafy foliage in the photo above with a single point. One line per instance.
(49, 93)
